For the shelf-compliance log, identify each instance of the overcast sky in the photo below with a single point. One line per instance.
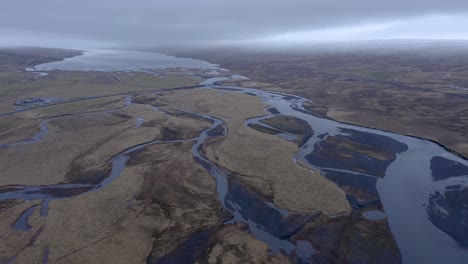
(148, 23)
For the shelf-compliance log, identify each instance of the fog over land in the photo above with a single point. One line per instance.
(144, 23)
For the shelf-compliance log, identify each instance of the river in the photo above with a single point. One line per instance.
(404, 191)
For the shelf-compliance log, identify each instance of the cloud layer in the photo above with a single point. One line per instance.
(147, 23)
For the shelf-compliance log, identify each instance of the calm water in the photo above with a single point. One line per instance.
(122, 60)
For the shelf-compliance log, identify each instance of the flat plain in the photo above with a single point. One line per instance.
(420, 92)
(154, 167)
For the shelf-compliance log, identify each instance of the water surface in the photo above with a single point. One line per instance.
(122, 60)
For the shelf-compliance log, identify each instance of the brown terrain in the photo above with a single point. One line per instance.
(164, 206)
(150, 213)
(420, 92)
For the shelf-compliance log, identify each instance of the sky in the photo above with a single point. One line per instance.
(159, 23)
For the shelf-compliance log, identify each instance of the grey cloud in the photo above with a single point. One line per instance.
(189, 22)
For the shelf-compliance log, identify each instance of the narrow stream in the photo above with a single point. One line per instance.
(44, 128)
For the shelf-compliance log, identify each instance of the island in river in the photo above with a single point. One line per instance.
(144, 157)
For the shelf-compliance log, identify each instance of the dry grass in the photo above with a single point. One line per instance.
(17, 127)
(287, 123)
(237, 246)
(46, 161)
(425, 105)
(158, 82)
(70, 84)
(88, 140)
(98, 104)
(160, 200)
(262, 157)
(120, 223)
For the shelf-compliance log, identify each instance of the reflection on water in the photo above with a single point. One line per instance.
(122, 60)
